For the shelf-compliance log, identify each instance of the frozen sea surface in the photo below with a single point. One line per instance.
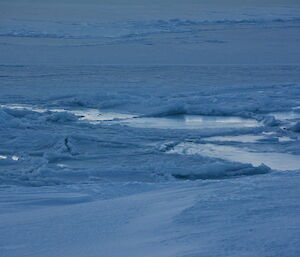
(138, 128)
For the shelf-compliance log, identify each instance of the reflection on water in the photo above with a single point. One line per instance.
(285, 139)
(13, 157)
(250, 138)
(190, 122)
(277, 161)
(285, 116)
(241, 138)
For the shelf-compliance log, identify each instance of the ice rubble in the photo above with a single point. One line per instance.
(71, 156)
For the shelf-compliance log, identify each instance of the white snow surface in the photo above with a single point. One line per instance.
(149, 128)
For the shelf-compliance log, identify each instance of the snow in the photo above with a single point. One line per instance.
(245, 216)
(149, 128)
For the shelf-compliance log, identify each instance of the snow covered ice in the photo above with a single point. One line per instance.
(149, 128)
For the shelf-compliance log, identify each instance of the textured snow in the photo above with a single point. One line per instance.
(149, 128)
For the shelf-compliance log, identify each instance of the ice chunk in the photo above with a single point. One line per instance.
(220, 170)
(296, 127)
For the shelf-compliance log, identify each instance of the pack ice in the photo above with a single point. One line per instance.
(149, 128)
